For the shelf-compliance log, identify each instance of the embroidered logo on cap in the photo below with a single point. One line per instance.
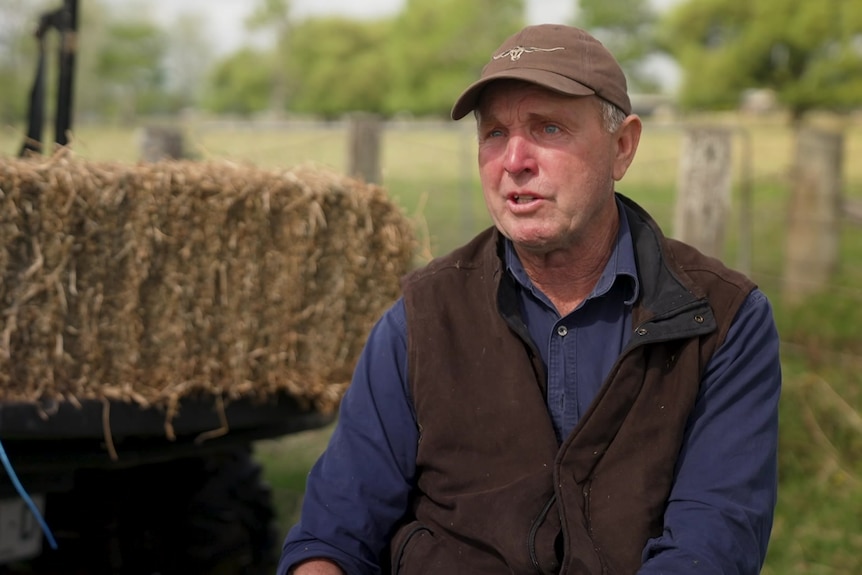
(515, 53)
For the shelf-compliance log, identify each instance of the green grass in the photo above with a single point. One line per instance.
(818, 528)
(430, 173)
(287, 461)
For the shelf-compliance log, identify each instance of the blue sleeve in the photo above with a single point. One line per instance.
(359, 488)
(720, 511)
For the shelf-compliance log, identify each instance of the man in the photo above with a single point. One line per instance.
(571, 392)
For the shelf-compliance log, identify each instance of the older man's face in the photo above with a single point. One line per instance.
(548, 165)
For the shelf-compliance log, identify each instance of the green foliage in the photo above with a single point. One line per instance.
(336, 65)
(135, 55)
(808, 52)
(130, 65)
(415, 64)
(438, 47)
(274, 16)
(626, 27)
(240, 84)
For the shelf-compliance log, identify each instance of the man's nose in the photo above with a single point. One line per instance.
(520, 155)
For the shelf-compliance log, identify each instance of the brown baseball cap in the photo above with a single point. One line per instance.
(561, 58)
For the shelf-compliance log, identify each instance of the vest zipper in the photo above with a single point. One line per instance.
(586, 493)
(537, 522)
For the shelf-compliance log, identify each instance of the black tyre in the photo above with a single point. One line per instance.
(209, 515)
(230, 521)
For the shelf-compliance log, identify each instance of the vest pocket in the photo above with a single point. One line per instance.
(410, 536)
(545, 551)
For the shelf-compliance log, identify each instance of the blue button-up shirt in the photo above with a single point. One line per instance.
(579, 349)
(720, 510)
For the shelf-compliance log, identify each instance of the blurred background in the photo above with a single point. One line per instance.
(753, 134)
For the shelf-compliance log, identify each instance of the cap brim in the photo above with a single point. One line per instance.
(556, 82)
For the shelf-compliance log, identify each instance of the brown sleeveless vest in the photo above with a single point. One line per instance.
(495, 493)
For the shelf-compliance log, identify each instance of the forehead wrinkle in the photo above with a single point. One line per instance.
(520, 105)
(511, 90)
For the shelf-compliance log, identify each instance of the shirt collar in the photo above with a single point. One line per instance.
(621, 265)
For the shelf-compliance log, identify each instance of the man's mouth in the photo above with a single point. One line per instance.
(522, 199)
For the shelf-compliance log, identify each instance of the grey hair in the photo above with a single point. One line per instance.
(612, 116)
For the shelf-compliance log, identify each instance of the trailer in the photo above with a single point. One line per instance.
(117, 495)
(156, 321)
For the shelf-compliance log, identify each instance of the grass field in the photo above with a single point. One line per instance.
(429, 170)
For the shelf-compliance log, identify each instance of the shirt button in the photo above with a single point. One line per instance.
(562, 331)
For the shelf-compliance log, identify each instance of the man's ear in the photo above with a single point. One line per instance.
(627, 138)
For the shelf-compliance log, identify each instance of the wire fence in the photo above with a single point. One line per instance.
(429, 167)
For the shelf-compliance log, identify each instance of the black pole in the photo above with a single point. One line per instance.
(36, 111)
(33, 142)
(68, 26)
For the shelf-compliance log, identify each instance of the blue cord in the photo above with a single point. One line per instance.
(23, 493)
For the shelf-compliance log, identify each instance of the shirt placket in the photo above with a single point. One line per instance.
(562, 379)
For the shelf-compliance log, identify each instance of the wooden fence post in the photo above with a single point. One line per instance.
(364, 147)
(703, 189)
(814, 214)
(161, 143)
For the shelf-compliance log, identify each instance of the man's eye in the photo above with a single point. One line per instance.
(495, 133)
(551, 129)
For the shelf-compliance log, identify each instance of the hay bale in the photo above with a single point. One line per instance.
(152, 282)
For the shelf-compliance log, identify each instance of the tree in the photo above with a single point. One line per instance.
(240, 84)
(809, 53)
(188, 59)
(337, 66)
(274, 15)
(131, 66)
(438, 47)
(627, 28)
